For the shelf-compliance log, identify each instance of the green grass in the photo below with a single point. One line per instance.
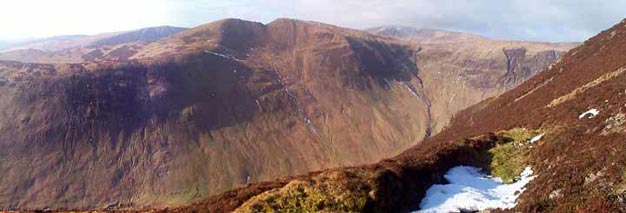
(510, 159)
(331, 192)
(620, 187)
(349, 191)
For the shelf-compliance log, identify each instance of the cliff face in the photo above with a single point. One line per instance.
(460, 70)
(212, 108)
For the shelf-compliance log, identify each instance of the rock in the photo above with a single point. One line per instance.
(555, 194)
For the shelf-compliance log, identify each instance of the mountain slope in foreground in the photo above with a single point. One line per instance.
(579, 160)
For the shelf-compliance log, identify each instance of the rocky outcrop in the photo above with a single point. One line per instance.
(460, 70)
(519, 68)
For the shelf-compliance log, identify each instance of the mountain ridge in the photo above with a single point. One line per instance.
(308, 96)
(415, 33)
(174, 115)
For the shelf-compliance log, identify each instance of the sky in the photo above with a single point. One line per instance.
(535, 20)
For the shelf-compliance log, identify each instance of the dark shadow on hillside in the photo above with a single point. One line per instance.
(384, 62)
(204, 91)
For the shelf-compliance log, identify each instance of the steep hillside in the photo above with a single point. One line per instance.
(202, 112)
(460, 70)
(456, 69)
(579, 162)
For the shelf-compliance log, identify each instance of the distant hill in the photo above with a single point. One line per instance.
(64, 42)
(421, 34)
(8, 44)
(146, 34)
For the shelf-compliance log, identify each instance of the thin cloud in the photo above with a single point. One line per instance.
(539, 20)
(556, 20)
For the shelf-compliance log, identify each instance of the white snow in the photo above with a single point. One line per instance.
(471, 190)
(222, 55)
(589, 114)
(536, 138)
(411, 91)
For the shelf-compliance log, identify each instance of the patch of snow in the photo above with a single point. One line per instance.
(589, 114)
(291, 95)
(471, 190)
(536, 138)
(412, 91)
(309, 124)
(222, 55)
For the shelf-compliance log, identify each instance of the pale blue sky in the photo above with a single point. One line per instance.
(540, 20)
